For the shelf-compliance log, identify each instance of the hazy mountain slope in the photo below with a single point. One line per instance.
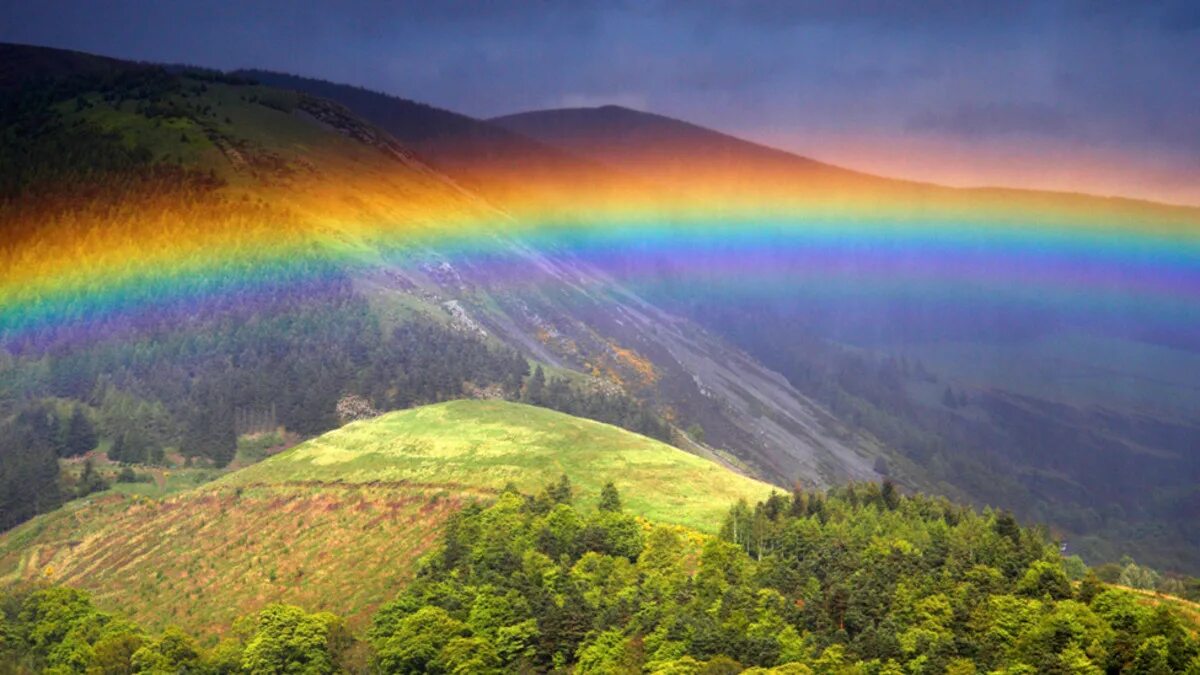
(22, 64)
(698, 162)
(498, 163)
(570, 314)
(338, 522)
(1092, 425)
(285, 165)
(667, 150)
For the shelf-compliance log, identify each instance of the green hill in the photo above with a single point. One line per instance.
(337, 523)
(489, 444)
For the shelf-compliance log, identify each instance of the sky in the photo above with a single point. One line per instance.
(1091, 95)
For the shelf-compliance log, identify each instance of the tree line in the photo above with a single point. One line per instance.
(858, 580)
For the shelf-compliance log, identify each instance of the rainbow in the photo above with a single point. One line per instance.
(1124, 260)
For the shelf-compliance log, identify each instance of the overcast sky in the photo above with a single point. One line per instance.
(1095, 96)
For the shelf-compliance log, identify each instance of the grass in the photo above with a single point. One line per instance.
(165, 481)
(491, 443)
(338, 523)
(201, 559)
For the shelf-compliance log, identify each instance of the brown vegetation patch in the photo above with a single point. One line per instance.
(202, 559)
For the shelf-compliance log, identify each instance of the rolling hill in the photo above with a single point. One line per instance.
(338, 522)
(490, 444)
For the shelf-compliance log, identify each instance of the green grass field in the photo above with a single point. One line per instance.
(338, 523)
(491, 443)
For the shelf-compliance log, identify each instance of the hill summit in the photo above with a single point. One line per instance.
(337, 523)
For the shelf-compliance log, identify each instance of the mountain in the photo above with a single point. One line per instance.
(337, 523)
(678, 154)
(192, 256)
(504, 166)
(22, 64)
(696, 163)
(1056, 414)
(258, 171)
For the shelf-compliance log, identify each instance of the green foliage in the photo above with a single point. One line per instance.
(560, 492)
(610, 500)
(254, 448)
(128, 475)
(285, 639)
(89, 480)
(1137, 576)
(861, 579)
(172, 652)
(557, 393)
(417, 642)
(29, 472)
(80, 434)
(58, 630)
(1045, 579)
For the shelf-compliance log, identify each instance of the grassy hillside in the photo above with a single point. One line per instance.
(337, 523)
(491, 443)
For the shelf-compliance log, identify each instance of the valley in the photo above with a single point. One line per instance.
(297, 376)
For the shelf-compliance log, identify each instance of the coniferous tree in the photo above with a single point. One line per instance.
(28, 466)
(535, 388)
(560, 492)
(889, 494)
(610, 499)
(81, 435)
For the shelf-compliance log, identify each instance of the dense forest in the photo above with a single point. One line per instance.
(31, 444)
(858, 580)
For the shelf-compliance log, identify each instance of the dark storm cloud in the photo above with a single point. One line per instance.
(1118, 74)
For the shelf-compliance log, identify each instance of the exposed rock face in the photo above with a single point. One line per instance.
(570, 315)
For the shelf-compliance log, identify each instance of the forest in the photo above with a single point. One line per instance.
(862, 579)
(185, 388)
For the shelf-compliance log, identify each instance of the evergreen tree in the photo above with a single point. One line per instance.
(81, 435)
(610, 499)
(535, 388)
(29, 469)
(560, 492)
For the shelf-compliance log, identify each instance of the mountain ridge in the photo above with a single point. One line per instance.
(582, 131)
